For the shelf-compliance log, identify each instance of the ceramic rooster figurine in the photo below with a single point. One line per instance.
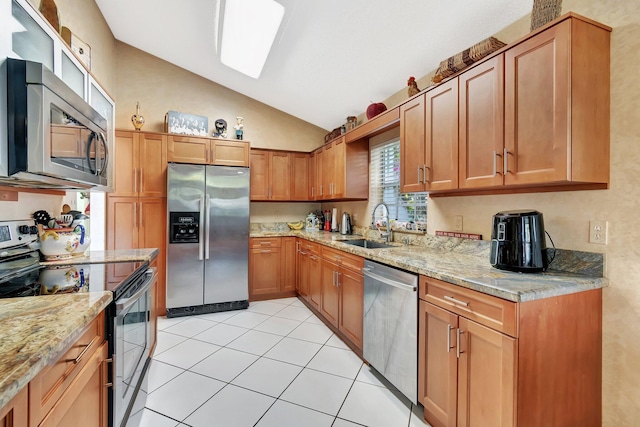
(413, 87)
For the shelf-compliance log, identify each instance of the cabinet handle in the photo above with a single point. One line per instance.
(297, 246)
(140, 224)
(426, 180)
(135, 180)
(135, 215)
(265, 251)
(141, 180)
(338, 274)
(81, 355)
(495, 163)
(265, 243)
(458, 352)
(109, 360)
(419, 170)
(321, 189)
(449, 329)
(313, 192)
(456, 301)
(313, 257)
(505, 162)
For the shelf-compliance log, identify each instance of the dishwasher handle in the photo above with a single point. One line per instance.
(367, 272)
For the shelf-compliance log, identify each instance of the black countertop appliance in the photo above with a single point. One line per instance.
(518, 241)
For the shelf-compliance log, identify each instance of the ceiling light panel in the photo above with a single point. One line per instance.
(248, 31)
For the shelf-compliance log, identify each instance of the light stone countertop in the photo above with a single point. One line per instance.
(35, 330)
(101, 257)
(459, 265)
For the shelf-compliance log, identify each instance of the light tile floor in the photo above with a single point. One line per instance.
(272, 365)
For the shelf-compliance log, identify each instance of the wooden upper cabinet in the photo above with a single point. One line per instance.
(312, 189)
(481, 134)
(441, 137)
(230, 152)
(140, 164)
(412, 145)
(300, 176)
(271, 175)
(319, 154)
(557, 105)
(342, 170)
(280, 175)
(339, 172)
(208, 151)
(188, 149)
(259, 176)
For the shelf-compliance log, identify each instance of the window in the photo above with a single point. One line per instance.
(385, 186)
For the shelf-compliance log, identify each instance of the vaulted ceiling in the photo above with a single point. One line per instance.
(330, 59)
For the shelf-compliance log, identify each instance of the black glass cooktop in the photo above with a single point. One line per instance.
(27, 278)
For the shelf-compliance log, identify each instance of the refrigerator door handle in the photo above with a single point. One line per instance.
(202, 230)
(207, 216)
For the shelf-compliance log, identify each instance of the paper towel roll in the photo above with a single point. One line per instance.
(334, 220)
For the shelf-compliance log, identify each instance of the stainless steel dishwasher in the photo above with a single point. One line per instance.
(391, 325)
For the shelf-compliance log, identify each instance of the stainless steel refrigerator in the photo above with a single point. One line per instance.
(208, 241)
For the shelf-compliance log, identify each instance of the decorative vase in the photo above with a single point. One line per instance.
(49, 10)
(137, 119)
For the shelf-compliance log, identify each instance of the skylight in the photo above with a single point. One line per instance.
(248, 31)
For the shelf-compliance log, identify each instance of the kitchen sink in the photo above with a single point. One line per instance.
(367, 244)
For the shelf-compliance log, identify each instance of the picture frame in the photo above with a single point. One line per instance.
(186, 124)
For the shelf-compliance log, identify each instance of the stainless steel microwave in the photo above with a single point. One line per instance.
(55, 138)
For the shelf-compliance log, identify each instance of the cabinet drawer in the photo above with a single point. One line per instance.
(309, 247)
(487, 310)
(265, 242)
(50, 384)
(344, 259)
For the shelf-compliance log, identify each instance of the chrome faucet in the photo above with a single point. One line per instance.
(388, 236)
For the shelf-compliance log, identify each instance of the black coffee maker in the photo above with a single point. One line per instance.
(518, 241)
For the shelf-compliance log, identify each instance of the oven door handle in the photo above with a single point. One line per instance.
(126, 303)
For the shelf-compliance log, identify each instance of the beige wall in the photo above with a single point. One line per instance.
(567, 214)
(160, 86)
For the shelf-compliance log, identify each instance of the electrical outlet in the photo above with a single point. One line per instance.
(598, 232)
(457, 223)
(355, 217)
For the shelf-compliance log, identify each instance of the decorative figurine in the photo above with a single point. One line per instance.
(137, 119)
(352, 122)
(413, 87)
(221, 129)
(238, 127)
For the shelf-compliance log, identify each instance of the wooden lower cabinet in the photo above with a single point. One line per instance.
(272, 269)
(14, 413)
(315, 280)
(527, 364)
(351, 314)
(72, 391)
(330, 300)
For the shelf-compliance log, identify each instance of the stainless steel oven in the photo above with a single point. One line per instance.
(55, 138)
(132, 338)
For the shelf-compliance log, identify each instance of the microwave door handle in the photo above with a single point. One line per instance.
(105, 161)
(90, 140)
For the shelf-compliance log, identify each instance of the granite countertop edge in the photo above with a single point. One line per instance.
(468, 271)
(109, 256)
(36, 330)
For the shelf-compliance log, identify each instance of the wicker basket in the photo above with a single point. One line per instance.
(462, 60)
(544, 11)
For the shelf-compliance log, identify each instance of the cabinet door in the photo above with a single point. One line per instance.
(302, 282)
(441, 137)
(14, 413)
(330, 300)
(328, 171)
(125, 175)
(312, 189)
(315, 281)
(351, 287)
(537, 77)
(486, 376)
(320, 172)
(84, 403)
(152, 234)
(152, 165)
(184, 149)
(481, 108)
(299, 176)
(259, 164)
(230, 153)
(280, 176)
(123, 219)
(339, 173)
(288, 260)
(264, 271)
(437, 364)
(412, 145)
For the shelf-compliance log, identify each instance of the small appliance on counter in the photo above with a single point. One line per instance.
(518, 241)
(345, 224)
